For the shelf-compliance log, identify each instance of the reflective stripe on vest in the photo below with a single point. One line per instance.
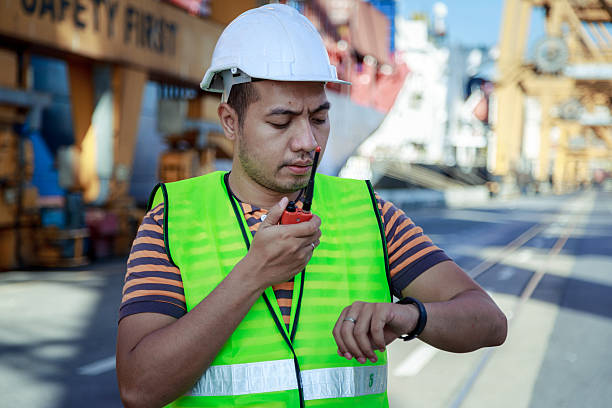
(207, 236)
(249, 378)
(270, 376)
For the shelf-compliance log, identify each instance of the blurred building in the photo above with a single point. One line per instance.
(88, 93)
(535, 118)
(440, 119)
(470, 87)
(415, 128)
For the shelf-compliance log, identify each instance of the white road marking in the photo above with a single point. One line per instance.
(524, 255)
(414, 363)
(98, 367)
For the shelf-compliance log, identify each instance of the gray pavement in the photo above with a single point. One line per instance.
(58, 328)
(557, 352)
(53, 325)
(576, 369)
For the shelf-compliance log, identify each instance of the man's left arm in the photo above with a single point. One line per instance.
(461, 316)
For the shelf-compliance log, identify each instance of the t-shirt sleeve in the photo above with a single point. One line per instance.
(152, 283)
(410, 251)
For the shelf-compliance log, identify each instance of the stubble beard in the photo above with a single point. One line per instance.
(250, 166)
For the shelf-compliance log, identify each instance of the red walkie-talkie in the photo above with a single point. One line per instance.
(294, 215)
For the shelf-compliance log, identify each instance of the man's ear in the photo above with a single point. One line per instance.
(229, 120)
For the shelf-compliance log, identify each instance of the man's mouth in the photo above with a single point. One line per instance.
(299, 167)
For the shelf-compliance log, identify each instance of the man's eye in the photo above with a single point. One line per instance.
(279, 125)
(319, 121)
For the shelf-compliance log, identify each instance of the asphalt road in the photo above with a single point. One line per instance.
(547, 261)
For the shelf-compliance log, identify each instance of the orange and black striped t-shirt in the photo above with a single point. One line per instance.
(153, 284)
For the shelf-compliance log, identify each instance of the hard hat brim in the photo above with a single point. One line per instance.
(208, 79)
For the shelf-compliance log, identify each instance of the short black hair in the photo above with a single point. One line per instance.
(240, 97)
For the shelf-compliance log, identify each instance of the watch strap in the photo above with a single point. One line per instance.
(421, 322)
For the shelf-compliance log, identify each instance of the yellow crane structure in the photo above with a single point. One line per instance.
(569, 76)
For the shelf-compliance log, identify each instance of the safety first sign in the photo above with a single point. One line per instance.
(153, 35)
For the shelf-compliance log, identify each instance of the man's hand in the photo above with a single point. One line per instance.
(279, 252)
(375, 325)
(461, 317)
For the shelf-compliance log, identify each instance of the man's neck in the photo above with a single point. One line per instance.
(251, 192)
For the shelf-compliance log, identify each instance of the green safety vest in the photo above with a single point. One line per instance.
(263, 363)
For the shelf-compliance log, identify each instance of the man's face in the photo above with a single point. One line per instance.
(280, 132)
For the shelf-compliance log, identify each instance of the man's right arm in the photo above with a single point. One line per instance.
(159, 358)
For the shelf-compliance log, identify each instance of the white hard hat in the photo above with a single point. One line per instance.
(270, 42)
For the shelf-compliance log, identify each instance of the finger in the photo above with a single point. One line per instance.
(313, 239)
(275, 213)
(304, 255)
(348, 336)
(361, 330)
(316, 243)
(310, 246)
(305, 241)
(316, 235)
(306, 228)
(342, 350)
(377, 325)
(390, 336)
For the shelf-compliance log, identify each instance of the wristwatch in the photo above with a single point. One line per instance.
(422, 317)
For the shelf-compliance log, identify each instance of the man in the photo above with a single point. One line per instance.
(225, 307)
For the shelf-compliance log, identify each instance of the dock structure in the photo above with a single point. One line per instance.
(553, 101)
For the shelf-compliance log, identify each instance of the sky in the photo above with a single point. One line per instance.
(470, 22)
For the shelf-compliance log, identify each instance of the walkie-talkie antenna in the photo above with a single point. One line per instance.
(310, 187)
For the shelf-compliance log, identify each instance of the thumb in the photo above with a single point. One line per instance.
(275, 213)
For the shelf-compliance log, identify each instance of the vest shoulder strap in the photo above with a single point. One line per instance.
(160, 195)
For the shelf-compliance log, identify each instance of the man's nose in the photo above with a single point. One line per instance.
(304, 139)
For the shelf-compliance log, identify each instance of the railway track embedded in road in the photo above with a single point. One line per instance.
(488, 265)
